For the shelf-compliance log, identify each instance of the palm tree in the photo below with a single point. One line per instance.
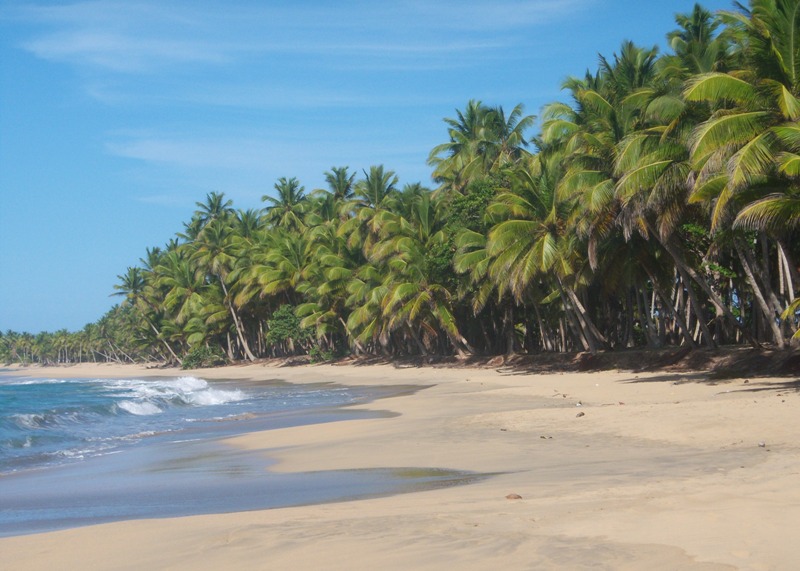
(745, 151)
(482, 139)
(460, 160)
(133, 285)
(340, 183)
(698, 46)
(214, 208)
(413, 302)
(286, 211)
(375, 194)
(213, 254)
(279, 264)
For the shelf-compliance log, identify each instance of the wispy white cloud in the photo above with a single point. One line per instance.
(135, 36)
(119, 53)
(235, 153)
(118, 36)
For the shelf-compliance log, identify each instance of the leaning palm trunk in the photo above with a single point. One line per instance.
(415, 337)
(547, 342)
(790, 272)
(696, 308)
(676, 314)
(157, 332)
(766, 279)
(686, 269)
(645, 313)
(237, 324)
(584, 318)
(583, 336)
(164, 342)
(746, 258)
(459, 343)
(359, 347)
(784, 279)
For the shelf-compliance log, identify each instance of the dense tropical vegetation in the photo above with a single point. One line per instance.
(656, 207)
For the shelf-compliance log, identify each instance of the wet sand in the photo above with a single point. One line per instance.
(660, 471)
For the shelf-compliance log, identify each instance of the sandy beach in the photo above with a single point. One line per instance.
(615, 470)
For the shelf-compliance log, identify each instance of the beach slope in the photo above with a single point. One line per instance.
(603, 470)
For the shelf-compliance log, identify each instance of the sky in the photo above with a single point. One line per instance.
(116, 117)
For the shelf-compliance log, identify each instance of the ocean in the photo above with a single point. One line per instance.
(46, 422)
(84, 451)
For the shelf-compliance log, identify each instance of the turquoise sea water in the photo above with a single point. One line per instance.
(46, 422)
(84, 451)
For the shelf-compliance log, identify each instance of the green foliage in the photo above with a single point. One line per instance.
(202, 357)
(468, 210)
(438, 263)
(319, 355)
(284, 326)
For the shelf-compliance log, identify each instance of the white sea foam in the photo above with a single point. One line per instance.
(28, 420)
(37, 382)
(189, 383)
(142, 408)
(146, 397)
(183, 390)
(214, 396)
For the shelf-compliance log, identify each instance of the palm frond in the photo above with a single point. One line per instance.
(717, 87)
(775, 212)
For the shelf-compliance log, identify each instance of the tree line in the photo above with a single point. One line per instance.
(655, 207)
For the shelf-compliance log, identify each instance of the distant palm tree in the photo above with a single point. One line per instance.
(214, 208)
(286, 211)
(340, 183)
(134, 287)
(213, 253)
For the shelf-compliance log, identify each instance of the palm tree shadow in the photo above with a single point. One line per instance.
(786, 386)
(676, 378)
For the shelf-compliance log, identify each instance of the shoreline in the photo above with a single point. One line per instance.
(195, 470)
(662, 471)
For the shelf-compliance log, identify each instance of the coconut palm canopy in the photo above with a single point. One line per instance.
(657, 204)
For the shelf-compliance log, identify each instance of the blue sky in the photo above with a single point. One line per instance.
(117, 116)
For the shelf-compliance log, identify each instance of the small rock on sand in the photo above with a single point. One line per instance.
(513, 497)
(580, 414)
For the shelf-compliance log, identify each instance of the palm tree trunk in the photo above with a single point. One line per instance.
(228, 343)
(583, 337)
(236, 322)
(688, 271)
(791, 276)
(583, 315)
(777, 335)
(627, 340)
(644, 311)
(694, 305)
(766, 278)
(359, 346)
(418, 341)
(164, 342)
(547, 343)
(487, 339)
(676, 314)
(508, 327)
